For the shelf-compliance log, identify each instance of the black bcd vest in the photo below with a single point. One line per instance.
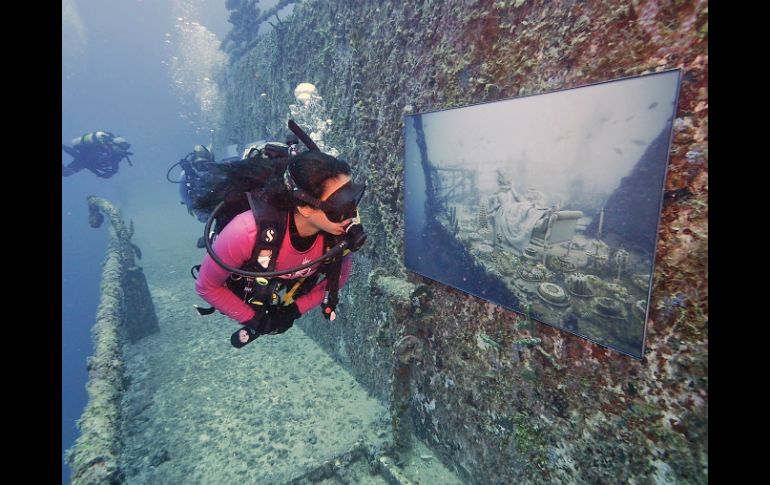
(261, 292)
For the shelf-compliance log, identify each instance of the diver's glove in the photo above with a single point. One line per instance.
(281, 318)
(250, 330)
(246, 334)
(278, 319)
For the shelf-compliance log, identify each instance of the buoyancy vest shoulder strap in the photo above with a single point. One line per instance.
(271, 228)
(271, 224)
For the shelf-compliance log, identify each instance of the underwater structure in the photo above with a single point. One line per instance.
(129, 389)
(497, 396)
(125, 314)
(500, 397)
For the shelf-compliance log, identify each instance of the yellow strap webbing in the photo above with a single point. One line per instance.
(288, 298)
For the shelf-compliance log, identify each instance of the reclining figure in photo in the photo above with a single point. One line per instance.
(519, 221)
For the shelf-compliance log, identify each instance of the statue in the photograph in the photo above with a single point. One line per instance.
(513, 215)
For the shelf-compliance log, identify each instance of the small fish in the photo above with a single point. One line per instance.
(654, 104)
(619, 151)
(639, 142)
(629, 118)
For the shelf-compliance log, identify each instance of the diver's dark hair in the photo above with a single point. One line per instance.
(228, 181)
(310, 170)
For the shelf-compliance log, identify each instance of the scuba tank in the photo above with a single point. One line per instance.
(352, 240)
(184, 192)
(249, 148)
(93, 138)
(260, 288)
(201, 154)
(194, 169)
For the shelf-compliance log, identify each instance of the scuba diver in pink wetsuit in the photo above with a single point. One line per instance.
(263, 268)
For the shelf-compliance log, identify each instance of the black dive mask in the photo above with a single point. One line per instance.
(340, 205)
(343, 202)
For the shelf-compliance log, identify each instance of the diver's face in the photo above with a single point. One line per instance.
(317, 218)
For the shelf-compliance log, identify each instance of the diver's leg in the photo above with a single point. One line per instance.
(69, 151)
(100, 172)
(74, 167)
(66, 171)
(109, 171)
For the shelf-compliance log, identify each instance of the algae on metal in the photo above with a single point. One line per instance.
(93, 459)
(598, 416)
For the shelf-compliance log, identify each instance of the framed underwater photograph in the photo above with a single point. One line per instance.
(547, 205)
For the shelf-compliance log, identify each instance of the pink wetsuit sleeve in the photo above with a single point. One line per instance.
(316, 295)
(233, 246)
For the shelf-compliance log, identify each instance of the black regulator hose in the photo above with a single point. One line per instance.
(332, 252)
(354, 239)
(187, 158)
(172, 168)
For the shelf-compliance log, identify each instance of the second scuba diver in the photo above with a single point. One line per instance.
(99, 151)
(306, 207)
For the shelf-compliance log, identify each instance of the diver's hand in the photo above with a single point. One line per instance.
(250, 330)
(243, 336)
(281, 318)
(278, 319)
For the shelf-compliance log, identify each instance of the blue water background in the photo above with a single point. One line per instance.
(117, 82)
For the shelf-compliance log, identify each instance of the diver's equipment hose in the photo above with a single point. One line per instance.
(331, 253)
(172, 168)
(353, 241)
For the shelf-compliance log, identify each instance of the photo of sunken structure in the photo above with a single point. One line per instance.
(554, 200)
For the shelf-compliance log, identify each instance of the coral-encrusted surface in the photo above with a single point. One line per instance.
(500, 398)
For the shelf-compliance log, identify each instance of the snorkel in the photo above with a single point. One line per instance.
(340, 204)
